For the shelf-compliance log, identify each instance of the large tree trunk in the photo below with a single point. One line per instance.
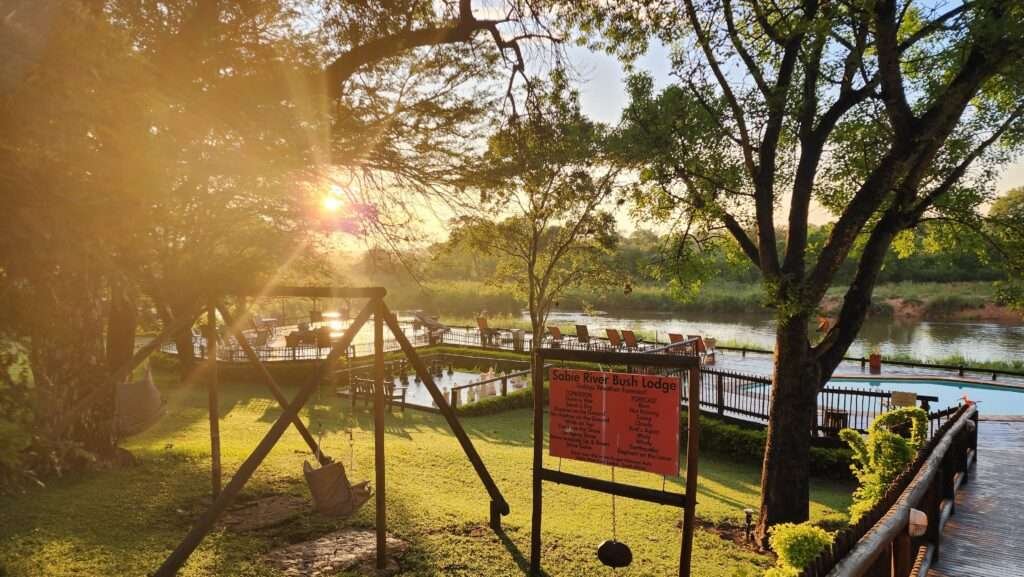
(182, 341)
(785, 485)
(69, 361)
(121, 324)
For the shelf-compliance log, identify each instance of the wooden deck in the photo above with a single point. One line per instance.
(985, 537)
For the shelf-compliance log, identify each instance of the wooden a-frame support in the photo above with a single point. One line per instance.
(376, 307)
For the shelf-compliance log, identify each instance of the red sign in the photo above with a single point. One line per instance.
(618, 419)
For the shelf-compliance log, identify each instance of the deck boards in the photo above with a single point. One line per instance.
(985, 537)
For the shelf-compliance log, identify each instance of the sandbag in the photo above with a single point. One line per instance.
(331, 490)
(139, 405)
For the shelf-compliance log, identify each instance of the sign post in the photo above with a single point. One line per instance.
(620, 419)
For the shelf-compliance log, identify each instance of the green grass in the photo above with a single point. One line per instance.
(125, 521)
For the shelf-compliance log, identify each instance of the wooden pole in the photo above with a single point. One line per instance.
(378, 431)
(181, 553)
(254, 358)
(538, 461)
(692, 456)
(214, 401)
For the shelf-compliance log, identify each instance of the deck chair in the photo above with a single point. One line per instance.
(698, 342)
(614, 339)
(332, 492)
(486, 332)
(556, 337)
(675, 339)
(630, 338)
(583, 335)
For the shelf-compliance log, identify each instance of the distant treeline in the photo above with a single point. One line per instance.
(451, 279)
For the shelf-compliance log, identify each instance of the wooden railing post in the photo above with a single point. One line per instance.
(455, 397)
(504, 386)
(902, 559)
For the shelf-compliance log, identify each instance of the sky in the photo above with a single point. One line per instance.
(603, 96)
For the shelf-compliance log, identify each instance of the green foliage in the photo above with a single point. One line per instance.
(435, 502)
(880, 457)
(797, 546)
(16, 413)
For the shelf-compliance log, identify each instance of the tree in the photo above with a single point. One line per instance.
(546, 173)
(177, 148)
(888, 113)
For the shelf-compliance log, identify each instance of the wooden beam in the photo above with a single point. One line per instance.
(213, 398)
(312, 292)
(692, 457)
(622, 358)
(498, 502)
(378, 432)
(271, 383)
(184, 549)
(612, 488)
(536, 524)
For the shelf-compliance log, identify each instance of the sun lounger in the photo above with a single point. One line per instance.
(583, 335)
(630, 338)
(614, 339)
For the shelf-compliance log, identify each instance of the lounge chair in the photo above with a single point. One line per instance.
(556, 337)
(583, 336)
(631, 343)
(676, 339)
(486, 333)
(614, 339)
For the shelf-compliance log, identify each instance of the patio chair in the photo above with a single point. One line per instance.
(675, 339)
(614, 339)
(698, 344)
(583, 335)
(631, 343)
(486, 332)
(556, 337)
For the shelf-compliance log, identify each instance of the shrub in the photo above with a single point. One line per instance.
(746, 443)
(797, 546)
(883, 454)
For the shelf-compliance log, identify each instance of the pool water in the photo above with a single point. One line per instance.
(417, 394)
(992, 400)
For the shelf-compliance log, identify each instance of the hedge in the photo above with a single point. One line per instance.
(742, 442)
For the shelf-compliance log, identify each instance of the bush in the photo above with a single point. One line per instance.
(880, 457)
(797, 546)
(746, 443)
(16, 415)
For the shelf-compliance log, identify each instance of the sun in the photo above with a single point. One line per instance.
(330, 203)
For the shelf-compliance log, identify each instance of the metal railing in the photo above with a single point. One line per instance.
(748, 397)
(890, 540)
(960, 370)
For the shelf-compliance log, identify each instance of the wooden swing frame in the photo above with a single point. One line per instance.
(375, 308)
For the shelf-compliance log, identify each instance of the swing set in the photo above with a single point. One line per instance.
(331, 489)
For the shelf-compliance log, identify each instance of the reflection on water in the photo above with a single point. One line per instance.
(982, 341)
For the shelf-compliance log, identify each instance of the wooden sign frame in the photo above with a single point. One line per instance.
(686, 501)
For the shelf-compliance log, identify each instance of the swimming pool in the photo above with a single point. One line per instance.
(992, 400)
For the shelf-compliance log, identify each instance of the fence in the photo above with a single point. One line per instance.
(748, 397)
(885, 542)
(961, 370)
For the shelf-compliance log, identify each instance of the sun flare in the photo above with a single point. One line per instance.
(330, 203)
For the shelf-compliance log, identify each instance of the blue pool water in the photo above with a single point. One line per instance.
(992, 400)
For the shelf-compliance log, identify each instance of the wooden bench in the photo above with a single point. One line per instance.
(362, 388)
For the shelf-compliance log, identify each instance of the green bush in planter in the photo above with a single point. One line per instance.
(797, 546)
(879, 457)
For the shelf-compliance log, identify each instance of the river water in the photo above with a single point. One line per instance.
(925, 340)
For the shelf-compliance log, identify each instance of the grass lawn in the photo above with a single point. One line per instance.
(125, 521)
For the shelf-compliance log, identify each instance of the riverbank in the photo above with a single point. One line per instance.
(966, 301)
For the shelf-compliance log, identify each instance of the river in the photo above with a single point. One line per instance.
(925, 340)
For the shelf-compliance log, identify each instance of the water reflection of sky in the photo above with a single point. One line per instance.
(919, 339)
